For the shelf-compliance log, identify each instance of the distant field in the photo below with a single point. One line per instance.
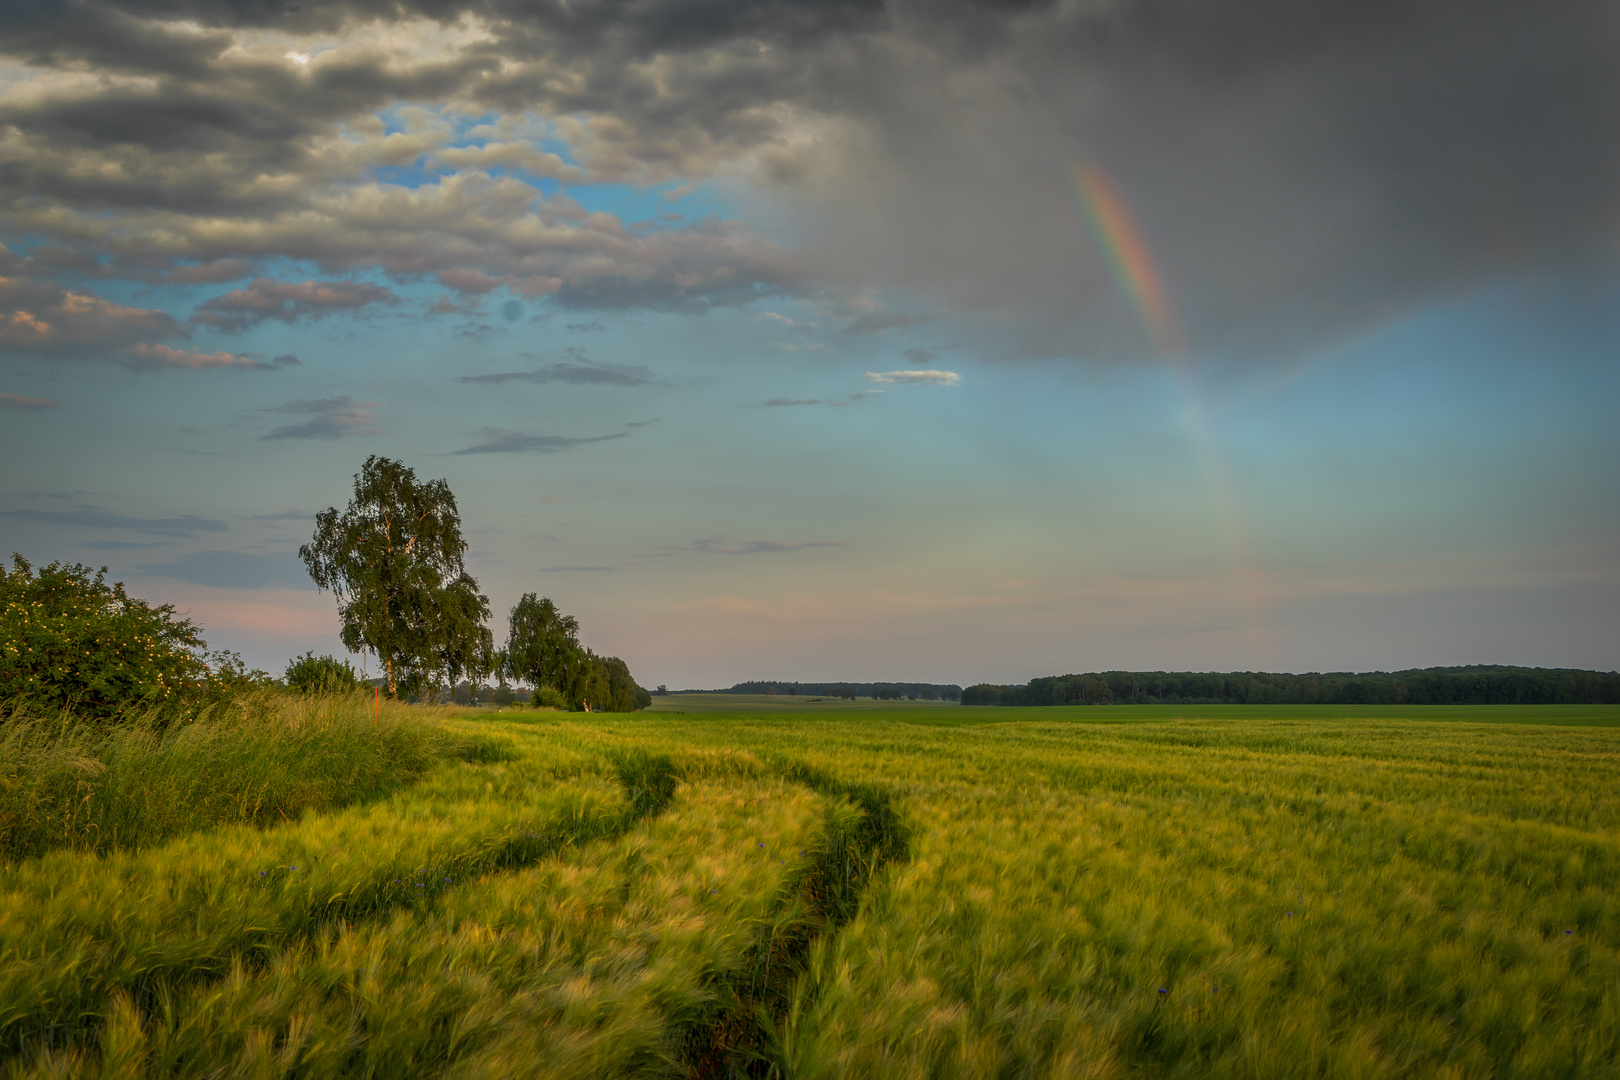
(950, 712)
(710, 703)
(891, 890)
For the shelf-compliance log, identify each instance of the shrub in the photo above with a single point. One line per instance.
(548, 697)
(68, 639)
(311, 674)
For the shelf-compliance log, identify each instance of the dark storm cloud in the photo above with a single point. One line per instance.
(587, 373)
(232, 570)
(498, 441)
(186, 525)
(1294, 170)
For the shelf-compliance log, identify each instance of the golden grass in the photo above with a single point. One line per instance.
(1247, 897)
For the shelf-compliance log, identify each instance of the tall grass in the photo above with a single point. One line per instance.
(77, 930)
(597, 963)
(264, 757)
(1270, 897)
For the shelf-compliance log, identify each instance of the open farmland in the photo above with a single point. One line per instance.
(902, 892)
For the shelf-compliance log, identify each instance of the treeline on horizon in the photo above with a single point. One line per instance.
(888, 691)
(1480, 684)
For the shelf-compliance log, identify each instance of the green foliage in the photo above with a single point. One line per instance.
(255, 758)
(311, 674)
(981, 694)
(543, 650)
(542, 646)
(69, 639)
(394, 559)
(1473, 685)
(549, 697)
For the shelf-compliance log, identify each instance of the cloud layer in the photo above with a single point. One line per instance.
(1291, 173)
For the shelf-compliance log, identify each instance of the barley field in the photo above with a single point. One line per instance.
(759, 891)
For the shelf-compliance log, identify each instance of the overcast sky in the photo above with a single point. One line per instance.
(857, 340)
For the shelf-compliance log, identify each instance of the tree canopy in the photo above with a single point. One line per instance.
(395, 561)
(543, 650)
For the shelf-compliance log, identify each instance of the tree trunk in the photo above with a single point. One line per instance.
(393, 689)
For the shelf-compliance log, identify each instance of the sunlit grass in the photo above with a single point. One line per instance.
(1030, 894)
(262, 758)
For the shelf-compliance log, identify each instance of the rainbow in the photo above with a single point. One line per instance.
(1131, 263)
(1128, 256)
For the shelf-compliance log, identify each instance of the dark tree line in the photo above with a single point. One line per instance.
(394, 559)
(1473, 685)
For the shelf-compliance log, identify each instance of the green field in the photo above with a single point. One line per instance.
(913, 890)
(697, 703)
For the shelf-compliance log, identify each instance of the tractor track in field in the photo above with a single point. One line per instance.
(739, 1040)
(736, 1039)
(649, 782)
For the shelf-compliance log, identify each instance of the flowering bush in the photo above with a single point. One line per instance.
(69, 639)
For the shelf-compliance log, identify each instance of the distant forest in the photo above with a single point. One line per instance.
(899, 691)
(1475, 685)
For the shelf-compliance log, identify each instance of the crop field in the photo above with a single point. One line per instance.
(908, 891)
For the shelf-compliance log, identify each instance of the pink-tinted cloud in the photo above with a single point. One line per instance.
(23, 401)
(468, 281)
(42, 317)
(287, 301)
(148, 357)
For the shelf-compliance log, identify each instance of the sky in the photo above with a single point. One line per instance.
(848, 340)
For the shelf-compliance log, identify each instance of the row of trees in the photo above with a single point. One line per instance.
(1472, 685)
(543, 650)
(395, 560)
